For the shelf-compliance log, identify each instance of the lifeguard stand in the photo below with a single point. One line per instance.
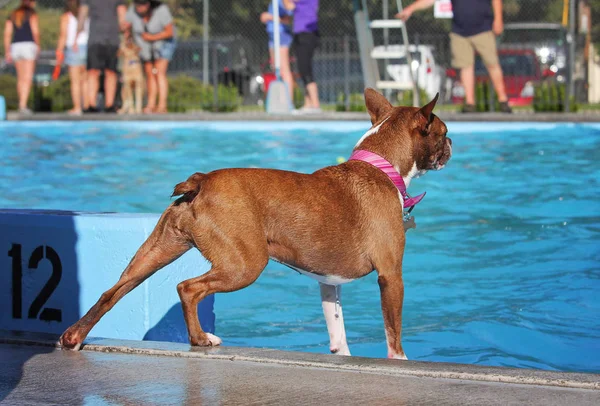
(370, 56)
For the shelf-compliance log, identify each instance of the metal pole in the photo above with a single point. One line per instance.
(570, 82)
(215, 80)
(276, 38)
(347, 72)
(205, 29)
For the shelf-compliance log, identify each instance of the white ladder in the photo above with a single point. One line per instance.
(387, 52)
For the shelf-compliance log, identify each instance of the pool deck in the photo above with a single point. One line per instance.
(34, 371)
(582, 117)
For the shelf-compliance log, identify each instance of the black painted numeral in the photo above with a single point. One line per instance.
(17, 280)
(47, 314)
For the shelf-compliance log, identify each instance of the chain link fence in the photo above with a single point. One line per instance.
(222, 59)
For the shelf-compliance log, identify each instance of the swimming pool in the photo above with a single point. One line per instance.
(503, 269)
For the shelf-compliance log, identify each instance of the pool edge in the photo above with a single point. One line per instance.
(435, 370)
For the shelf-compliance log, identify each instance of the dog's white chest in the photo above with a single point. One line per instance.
(333, 280)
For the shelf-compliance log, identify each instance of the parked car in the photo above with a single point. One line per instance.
(430, 75)
(548, 40)
(521, 71)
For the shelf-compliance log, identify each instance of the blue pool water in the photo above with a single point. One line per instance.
(503, 269)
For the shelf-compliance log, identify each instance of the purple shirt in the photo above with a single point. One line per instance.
(306, 16)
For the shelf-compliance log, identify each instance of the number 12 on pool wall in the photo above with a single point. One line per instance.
(48, 314)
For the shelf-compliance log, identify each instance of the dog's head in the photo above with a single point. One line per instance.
(129, 49)
(408, 137)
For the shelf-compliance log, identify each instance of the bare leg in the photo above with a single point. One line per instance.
(392, 298)
(330, 299)
(110, 87)
(163, 85)
(165, 244)
(19, 67)
(25, 70)
(467, 77)
(151, 86)
(495, 72)
(285, 71)
(75, 79)
(93, 85)
(84, 86)
(313, 94)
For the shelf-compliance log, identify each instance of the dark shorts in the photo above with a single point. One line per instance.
(102, 56)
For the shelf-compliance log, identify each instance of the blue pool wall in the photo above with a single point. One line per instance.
(68, 259)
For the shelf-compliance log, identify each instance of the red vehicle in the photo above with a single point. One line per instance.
(521, 71)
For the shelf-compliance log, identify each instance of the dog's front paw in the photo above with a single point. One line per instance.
(208, 340)
(340, 350)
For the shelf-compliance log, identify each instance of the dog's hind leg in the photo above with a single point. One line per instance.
(236, 263)
(139, 94)
(165, 244)
(332, 309)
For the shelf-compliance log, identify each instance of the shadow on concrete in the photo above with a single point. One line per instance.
(171, 327)
(41, 288)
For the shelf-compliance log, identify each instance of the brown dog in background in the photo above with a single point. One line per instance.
(133, 76)
(336, 225)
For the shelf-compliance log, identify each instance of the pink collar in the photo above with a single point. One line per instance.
(387, 168)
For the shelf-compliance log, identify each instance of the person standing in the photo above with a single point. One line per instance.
(475, 25)
(151, 24)
(21, 46)
(74, 53)
(285, 40)
(106, 17)
(306, 39)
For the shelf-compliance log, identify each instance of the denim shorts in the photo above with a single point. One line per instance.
(167, 49)
(73, 58)
(285, 40)
(23, 51)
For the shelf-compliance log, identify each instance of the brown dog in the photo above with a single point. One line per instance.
(133, 77)
(336, 225)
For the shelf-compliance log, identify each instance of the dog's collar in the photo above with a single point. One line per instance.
(387, 168)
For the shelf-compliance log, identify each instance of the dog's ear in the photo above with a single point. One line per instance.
(377, 104)
(426, 111)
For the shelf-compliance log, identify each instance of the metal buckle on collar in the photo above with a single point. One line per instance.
(406, 213)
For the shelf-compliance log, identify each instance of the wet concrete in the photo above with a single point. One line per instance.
(127, 372)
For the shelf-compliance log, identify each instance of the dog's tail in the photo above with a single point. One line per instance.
(191, 187)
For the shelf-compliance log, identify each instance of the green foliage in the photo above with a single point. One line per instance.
(405, 98)
(58, 93)
(298, 97)
(483, 94)
(356, 102)
(8, 89)
(8, 84)
(187, 93)
(549, 96)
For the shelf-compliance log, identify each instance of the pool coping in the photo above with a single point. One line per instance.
(436, 370)
(583, 117)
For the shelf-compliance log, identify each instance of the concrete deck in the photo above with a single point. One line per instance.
(582, 117)
(34, 371)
